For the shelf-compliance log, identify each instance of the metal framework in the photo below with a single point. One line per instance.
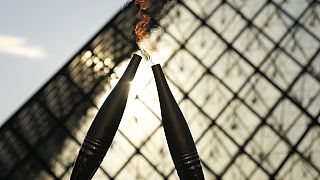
(246, 74)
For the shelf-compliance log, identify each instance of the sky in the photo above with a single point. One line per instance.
(37, 37)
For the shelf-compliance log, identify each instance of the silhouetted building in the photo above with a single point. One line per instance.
(245, 73)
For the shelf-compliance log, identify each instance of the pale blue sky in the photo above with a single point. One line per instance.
(37, 37)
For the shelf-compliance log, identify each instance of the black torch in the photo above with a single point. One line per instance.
(181, 145)
(104, 126)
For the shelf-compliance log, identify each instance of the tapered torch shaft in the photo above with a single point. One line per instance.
(181, 145)
(104, 126)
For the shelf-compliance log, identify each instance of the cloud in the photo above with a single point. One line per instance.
(18, 46)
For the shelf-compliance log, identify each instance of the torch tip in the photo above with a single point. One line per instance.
(136, 57)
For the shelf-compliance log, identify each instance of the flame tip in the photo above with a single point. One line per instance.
(143, 30)
(142, 27)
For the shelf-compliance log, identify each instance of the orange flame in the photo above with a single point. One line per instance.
(142, 29)
(142, 26)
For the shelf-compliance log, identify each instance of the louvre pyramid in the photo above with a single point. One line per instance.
(245, 73)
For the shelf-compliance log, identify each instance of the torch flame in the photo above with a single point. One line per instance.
(142, 29)
(142, 26)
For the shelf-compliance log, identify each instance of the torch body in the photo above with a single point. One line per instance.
(104, 126)
(181, 145)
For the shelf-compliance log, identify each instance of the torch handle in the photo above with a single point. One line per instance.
(104, 126)
(179, 139)
(189, 167)
(89, 159)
